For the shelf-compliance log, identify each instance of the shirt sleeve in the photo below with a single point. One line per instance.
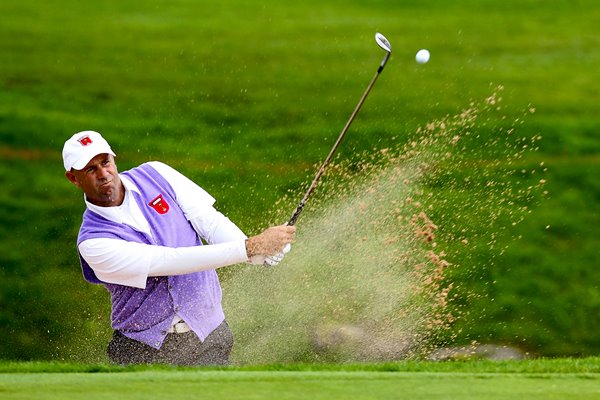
(131, 263)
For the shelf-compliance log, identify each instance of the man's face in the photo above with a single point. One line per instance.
(100, 181)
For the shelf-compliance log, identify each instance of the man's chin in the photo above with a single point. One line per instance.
(106, 192)
(107, 195)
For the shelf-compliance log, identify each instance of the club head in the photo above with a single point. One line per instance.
(383, 42)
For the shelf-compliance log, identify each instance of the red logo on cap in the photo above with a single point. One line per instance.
(160, 205)
(85, 140)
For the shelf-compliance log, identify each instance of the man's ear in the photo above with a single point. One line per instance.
(72, 178)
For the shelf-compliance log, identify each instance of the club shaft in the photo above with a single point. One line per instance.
(321, 170)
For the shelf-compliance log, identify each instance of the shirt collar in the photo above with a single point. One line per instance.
(129, 185)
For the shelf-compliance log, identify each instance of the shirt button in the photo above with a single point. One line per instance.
(164, 333)
(177, 309)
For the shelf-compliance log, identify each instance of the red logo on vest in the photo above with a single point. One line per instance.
(160, 205)
(85, 140)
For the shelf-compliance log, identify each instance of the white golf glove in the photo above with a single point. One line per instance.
(257, 260)
(272, 261)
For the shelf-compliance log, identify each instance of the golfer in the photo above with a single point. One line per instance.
(142, 237)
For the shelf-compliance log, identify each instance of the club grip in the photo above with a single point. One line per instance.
(295, 215)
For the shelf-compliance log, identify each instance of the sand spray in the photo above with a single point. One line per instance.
(367, 277)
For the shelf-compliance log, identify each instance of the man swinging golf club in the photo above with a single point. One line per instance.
(141, 237)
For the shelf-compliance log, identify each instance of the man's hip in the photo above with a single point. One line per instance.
(180, 347)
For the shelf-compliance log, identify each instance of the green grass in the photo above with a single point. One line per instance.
(247, 98)
(300, 385)
(533, 379)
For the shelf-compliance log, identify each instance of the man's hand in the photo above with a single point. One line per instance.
(272, 261)
(270, 243)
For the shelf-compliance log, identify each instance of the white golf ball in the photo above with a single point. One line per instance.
(422, 56)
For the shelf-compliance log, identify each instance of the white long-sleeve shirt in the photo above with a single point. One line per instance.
(130, 264)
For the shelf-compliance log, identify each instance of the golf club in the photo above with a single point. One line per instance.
(385, 45)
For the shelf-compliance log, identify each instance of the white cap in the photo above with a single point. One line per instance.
(82, 147)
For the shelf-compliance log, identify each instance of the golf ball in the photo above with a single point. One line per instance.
(422, 56)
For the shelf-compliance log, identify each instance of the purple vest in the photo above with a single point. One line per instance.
(146, 314)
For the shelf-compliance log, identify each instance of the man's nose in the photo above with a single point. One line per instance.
(103, 172)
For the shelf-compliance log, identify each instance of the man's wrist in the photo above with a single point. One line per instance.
(250, 248)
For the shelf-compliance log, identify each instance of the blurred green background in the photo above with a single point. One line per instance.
(247, 97)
